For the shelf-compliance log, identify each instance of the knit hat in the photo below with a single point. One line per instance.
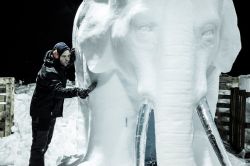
(61, 47)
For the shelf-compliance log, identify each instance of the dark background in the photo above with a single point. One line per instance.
(30, 28)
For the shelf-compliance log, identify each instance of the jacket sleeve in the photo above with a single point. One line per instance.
(56, 86)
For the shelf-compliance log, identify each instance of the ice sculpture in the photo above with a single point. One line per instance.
(164, 55)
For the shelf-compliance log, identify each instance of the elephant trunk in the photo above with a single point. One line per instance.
(174, 109)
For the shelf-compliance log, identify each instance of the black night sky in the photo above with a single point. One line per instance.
(30, 28)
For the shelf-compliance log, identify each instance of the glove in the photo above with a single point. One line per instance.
(82, 93)
(72, 57)
(92, 86)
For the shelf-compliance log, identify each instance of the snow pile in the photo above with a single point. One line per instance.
(15, 149)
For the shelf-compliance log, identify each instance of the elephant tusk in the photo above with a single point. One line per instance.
(141, 132)
(212, 132)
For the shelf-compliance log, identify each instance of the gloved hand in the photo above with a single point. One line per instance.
(73, 54)
(82, 93)
(92, 86)
(72, 57)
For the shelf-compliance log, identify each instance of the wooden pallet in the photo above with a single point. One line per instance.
(230, 115)
(7, 85)
(222, 116)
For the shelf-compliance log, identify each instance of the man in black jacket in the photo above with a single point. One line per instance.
(48, 98)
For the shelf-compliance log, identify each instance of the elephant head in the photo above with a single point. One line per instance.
(165, 53)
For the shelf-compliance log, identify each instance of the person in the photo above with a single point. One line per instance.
(48, 98)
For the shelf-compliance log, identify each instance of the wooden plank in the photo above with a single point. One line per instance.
(222, 114)
(2, 89)
(224, 96)
(2, 108)
(223, 131)
(223, 105)
(2, 98)
(247, 94)
(7, 106)
(5, 80)
(247, 155)
(2, 125)
(247, 125)
(233, 125)
(222, 123)
(242, 118)
(238, 110)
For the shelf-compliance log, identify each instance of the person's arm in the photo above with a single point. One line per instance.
(59, 91)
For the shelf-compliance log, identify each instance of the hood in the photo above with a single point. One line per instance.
(48, 59)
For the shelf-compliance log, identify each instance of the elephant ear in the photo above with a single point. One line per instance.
(230, 43)
(94, 34)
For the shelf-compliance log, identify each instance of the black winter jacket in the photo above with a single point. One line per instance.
(50, 91)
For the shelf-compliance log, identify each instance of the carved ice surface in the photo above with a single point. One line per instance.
(67, 140)
(167, 52)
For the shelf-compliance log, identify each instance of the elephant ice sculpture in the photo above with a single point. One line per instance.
(167, 54)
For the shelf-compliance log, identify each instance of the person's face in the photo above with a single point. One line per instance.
(65, 58)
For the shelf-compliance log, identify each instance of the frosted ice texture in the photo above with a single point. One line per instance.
(165, 52)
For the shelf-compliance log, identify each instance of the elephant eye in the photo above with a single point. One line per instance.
(145, 28)
(146, 34)
(143, 22)
(208, 35)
